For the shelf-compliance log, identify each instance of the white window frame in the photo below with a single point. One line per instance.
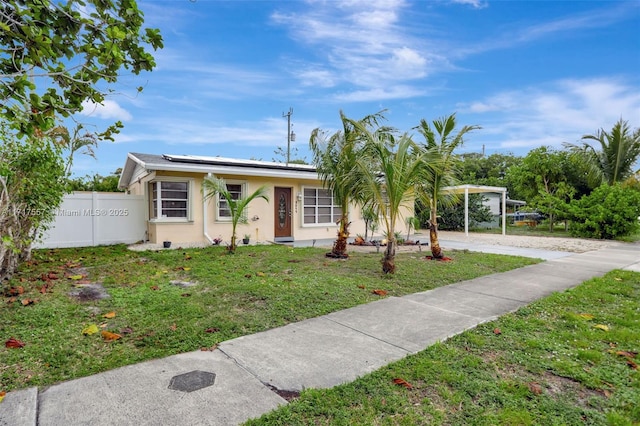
(188, 181)
(335, 216)
(243, 194)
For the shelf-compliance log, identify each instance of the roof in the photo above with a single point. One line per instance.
(214, 165)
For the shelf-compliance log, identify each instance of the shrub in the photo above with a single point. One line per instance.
(608, 212)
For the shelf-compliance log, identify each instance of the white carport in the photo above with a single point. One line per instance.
(479, 189)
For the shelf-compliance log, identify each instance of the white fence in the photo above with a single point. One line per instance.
(96, 218)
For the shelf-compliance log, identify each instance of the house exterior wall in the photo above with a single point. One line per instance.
(261, 214)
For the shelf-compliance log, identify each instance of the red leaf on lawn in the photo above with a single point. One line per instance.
(632, 364)
(173, 327)
(212, 330)
(211, 349)
(14, 343)
(535, 388)
(402, 382)
(15, 291)
(43, 289)
(11, 300)
(155, 287)
(627, 354)
(26, 302)
(497, 331)
(361, 286)
(109, 336)
(52, 276)
(380, 292)
(23, 280)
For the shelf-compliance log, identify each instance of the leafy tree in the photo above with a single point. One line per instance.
(612, 158)
(543, 180)
(58, 54)
(386, 176)
(212, 186)
(609, 212)
(335, 159)
(370, 221)
(453, 216)
(491, 170)
(32, 184)
(441, 142)
(96, 183)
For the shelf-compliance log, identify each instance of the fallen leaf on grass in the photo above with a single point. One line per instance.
(76, 277)
(248, 275)
(211, 349)
(212, 330)
(43, 289)
(173, 327)
(185, 294)
(402, 382)
(2, 395)
(627, 354)
(497, 331)
(535, 388)
(90, 329)
(27, 302)
(586, 316)
(601, 327)
(260, 274)
(126, 330)
(380, 292)
(15, 291)
(618, 279)
(110, 315)
(155, 287)
(11, 300)
(14, 343)
(632, 364)
(109, 336)
(361, 287)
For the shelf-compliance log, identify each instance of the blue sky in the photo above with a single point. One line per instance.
(531, 73)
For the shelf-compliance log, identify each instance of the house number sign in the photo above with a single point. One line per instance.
(282, 211)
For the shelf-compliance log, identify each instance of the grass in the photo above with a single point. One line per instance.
(258, 288)
(569, 359)
(542, 230)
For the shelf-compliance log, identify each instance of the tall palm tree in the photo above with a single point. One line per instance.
(386, 176)
(212, 185)
(335, 158)
(613, 161)
(441, 142)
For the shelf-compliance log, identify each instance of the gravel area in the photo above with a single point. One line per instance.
(576, 245)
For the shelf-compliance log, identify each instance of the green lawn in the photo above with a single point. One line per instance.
(258, 288)
(569, 359)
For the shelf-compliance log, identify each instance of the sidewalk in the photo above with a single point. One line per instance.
(245, 377)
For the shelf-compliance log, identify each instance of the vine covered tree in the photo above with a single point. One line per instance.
(440, 142)
(58, 54)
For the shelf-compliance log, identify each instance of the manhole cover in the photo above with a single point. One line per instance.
(192, 381)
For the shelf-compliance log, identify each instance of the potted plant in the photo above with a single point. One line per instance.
(245, 240)
(217, 241)
(166, 244)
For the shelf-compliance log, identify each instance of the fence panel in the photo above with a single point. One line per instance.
(96, 218)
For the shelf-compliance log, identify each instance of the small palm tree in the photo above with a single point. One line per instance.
(386, 176)
(335, 158)
(440, 143)
(73, 143)
(613, 161)
(212, 185)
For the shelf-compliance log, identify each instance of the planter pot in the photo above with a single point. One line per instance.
(166, 244)
(245, 241)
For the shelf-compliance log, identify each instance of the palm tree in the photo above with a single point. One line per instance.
(335, 158)
(73, 143)
(613, 162)
(441, 142)
(386, 176)
(212, 185)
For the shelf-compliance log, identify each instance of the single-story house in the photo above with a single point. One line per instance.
(299, 208)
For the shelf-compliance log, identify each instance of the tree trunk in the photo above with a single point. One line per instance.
(388, 261)
(339, 250)
(436, 251)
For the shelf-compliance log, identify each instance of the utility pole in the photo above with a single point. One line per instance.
(290, 135)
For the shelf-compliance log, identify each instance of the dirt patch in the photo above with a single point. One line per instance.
(89, 292)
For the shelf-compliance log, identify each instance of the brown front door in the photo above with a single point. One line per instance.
(282, 215)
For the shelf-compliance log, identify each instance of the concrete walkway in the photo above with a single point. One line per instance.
(246, 376)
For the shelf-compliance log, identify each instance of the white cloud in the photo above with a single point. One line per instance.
(476, 4)
(554, 113)
(108, 110)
